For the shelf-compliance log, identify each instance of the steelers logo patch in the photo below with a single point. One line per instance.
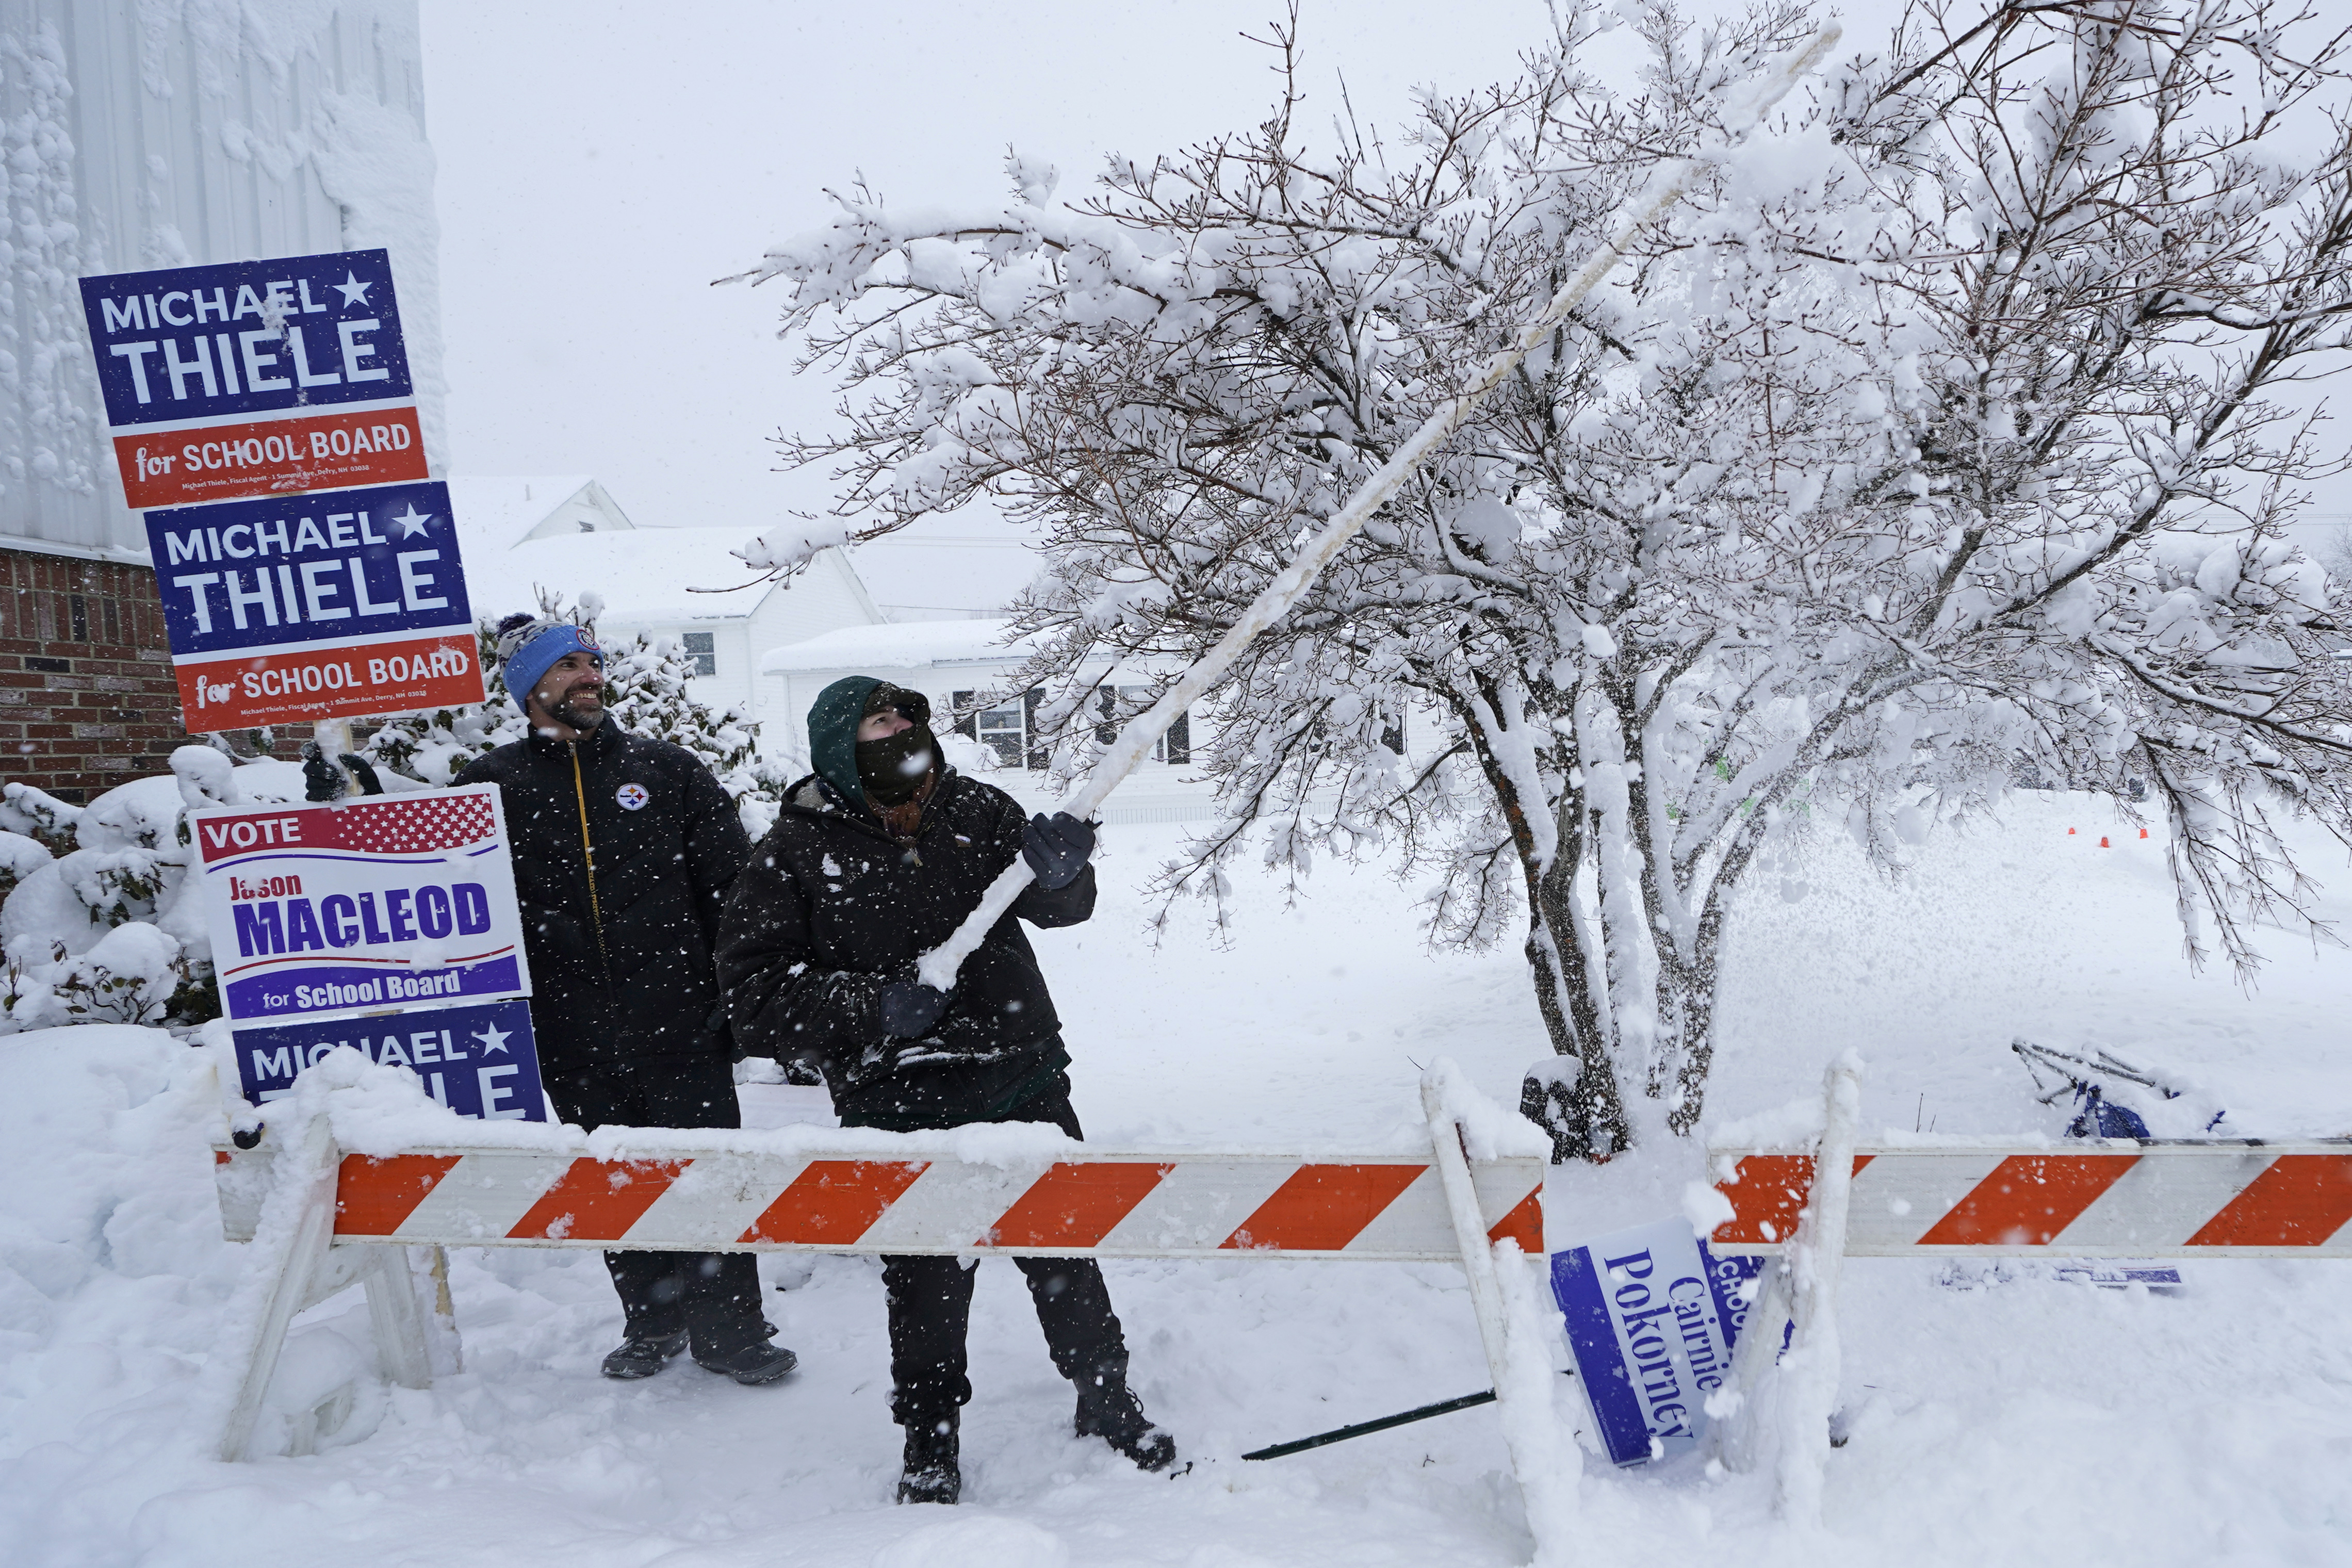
(632, 796)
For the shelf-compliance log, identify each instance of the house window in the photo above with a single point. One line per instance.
(703, 648)
(1010, 730)
(1004, 731)
(1175, 746)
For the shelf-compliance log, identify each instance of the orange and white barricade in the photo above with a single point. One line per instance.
(326, 1218)
(1926, 1196)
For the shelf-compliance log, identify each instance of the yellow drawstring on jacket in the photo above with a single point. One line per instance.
(588, 854)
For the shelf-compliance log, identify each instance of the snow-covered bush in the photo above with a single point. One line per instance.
(1931, 438)
(98, 915)
(101, 924)
(646, 688)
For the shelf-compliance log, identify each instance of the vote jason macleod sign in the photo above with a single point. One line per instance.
(382, 902)
(255, 377)
(339, 605)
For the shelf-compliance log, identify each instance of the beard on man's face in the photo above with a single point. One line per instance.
(581, 708)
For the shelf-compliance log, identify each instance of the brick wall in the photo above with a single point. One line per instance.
(87, 699)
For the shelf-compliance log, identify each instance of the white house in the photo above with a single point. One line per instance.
(771, 648)
(566, 535)
(952, 662)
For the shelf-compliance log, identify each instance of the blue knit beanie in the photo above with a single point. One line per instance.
(535, 647)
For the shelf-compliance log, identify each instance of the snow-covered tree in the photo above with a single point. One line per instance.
(1934, 437)
(646, 688)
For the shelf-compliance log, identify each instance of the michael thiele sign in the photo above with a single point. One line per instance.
(478, 1061)
(255, 377)
(346, 603)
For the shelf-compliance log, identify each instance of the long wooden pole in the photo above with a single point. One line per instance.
(938, 967)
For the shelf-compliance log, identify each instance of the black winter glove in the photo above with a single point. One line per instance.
(321, 782)
(320, 779)
(909, 1009)
(1056, 848)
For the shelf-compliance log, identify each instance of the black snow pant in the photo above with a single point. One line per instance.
(930, 1310)
(715, 1295)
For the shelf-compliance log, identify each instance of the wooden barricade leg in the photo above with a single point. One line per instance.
(297, 1231)
(1737, 1434)
(402, 1349)
(429, 1267)
(1816, 1257)
(1509, 1327)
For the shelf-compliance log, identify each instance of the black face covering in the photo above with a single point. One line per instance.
(893, 768)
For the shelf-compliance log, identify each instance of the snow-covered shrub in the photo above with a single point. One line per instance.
(99, 917)
(647, 688)
(109, 929)
(1941, 430)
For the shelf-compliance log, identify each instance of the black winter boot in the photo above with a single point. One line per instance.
(932, 1475)
(642, 1355)
(1108, 1409)
(753, 1365)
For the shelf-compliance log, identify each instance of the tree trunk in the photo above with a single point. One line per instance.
(1583, 1112)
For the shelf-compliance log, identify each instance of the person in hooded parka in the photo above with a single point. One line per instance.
(876, 857)
(624, 847)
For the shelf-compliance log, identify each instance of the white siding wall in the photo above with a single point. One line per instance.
(1155, 791)
(156, 136)
(825, 598)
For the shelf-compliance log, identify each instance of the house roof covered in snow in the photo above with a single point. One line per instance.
(643, 573)
(903, 646)
(564, 532)
(497, 512)
(945, 577)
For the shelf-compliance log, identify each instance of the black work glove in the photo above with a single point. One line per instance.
(321, 782)
(320, 779)
(909, 1009)
(1057, 847)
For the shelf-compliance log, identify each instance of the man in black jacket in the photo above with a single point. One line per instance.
(624, 847)
(876, 857)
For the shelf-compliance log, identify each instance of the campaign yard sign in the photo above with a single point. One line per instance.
(1652, 1317)
(346, 603)
(359, 905)
(255, 377)
(478, 1061)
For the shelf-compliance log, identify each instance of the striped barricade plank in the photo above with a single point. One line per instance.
(2109, 1199)
(1110, 1203)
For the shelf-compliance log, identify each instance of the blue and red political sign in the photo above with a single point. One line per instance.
(478, 1061)
(255, 377)
(339, 604)
(370, 904)
(1652, 1319)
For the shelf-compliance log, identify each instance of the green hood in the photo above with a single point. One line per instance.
(833, 735)
(833, 723)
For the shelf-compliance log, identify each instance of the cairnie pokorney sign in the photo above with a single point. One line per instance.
(1652, 1318)
(362, 905)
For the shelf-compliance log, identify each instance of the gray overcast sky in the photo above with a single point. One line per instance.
(599, 164)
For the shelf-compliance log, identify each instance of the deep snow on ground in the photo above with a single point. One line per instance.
(2030, 1421)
